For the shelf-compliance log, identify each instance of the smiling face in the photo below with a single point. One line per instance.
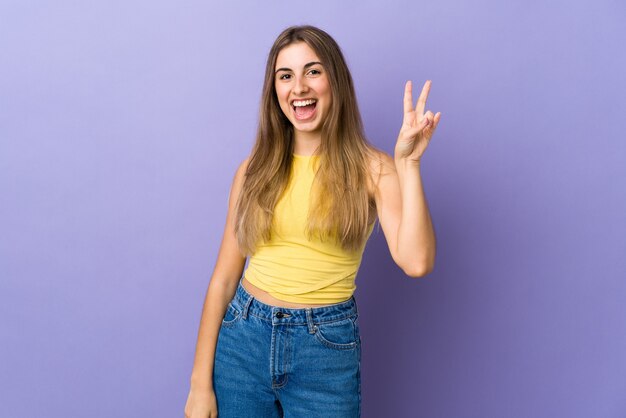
(302, 88)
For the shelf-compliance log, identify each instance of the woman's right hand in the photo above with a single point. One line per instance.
(201, 404)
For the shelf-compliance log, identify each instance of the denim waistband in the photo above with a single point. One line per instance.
(294, 316)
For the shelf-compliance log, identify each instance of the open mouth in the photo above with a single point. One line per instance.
(304, 109)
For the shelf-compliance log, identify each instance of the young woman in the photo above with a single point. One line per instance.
(282, 338)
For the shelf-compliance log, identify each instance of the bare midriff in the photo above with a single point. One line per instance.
(262, 296)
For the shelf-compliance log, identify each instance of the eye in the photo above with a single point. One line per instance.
(283, 76)
(315, 72)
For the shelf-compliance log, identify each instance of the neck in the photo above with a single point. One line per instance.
(305, 143)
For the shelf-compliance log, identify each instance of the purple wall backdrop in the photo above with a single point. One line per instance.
(122, 123)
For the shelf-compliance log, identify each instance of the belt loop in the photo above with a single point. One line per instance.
(246, 306)
(309, 321)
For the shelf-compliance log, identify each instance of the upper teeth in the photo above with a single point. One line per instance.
(303, 102)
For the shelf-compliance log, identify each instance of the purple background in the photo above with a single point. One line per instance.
(122, 124)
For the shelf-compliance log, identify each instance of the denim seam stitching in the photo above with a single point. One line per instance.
(269, 319)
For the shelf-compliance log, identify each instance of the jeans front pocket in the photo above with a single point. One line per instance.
(231, 316)
(341, 334)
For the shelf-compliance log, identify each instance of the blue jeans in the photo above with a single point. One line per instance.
(282, 362)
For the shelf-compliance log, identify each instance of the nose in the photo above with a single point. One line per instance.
(300, 86)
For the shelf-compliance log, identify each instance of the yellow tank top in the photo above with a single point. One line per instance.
(293, 268)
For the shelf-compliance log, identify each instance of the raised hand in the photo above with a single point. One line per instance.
(417, 127)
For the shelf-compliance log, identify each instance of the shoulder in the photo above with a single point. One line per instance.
(380, 164)
(242, 169)
(240, 176)
(244, 164)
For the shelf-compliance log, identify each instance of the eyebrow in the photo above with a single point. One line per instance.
(305, 66)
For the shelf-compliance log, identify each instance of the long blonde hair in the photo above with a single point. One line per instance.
(346, 209)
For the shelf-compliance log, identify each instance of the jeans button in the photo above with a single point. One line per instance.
(279, 314)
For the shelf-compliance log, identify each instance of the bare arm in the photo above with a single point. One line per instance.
(226, 274)
(416, 237)
(404, 216)
(400, 199)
